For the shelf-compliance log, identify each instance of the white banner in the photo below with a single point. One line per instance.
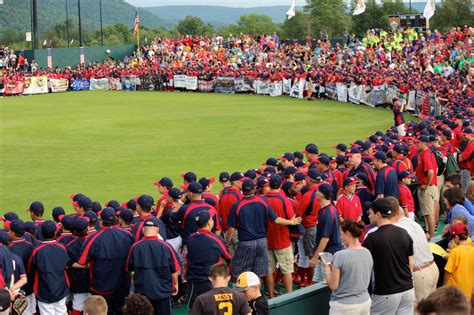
(191, 83)
(276, 88)
(354, 93)
(411, 101)
(365, 97)
(115, 84)
(301, 87)
(286, 86)
(341, 92)
(179, 81)
(36, 85)
(99, 84)
(58, 85)
(263, 87)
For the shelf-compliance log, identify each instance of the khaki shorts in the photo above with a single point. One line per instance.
(427, 199)
(284, 258)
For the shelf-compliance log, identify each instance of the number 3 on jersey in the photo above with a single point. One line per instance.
(227, 306)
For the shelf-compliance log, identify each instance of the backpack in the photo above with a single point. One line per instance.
(441, 161)
(452, 165)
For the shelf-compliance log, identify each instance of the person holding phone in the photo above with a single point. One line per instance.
(348, 275)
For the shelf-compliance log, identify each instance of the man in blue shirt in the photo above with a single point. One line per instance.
(250, 218)
(156, 267)
(386, 183)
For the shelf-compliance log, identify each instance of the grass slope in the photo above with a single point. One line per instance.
(115, 144)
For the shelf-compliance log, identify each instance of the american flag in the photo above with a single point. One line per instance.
(137, 22)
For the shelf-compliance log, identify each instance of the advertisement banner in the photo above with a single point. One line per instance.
(35, 85)
(391, 93)
(115, 84)
(366, 97)
(341, 92)
(263, 87)
(99, 84)
(331, 91)
(378, 95)
(205, 86)
(80, 85)
(411, 101)
(275, 88)
(14, 88)
(191, 83)
(179, 81)
(58, 85)
(355, 92)
(286, 86)
(129, 82)
(224, 85)
(244, 84)
(421, 98)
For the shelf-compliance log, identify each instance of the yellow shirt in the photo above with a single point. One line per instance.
(461, 267)
(468, 242)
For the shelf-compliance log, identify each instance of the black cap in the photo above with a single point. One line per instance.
(96, 206)
(224, 177)
(236, 176)
(311, 149)
(248, 185)
(288, 156)
(380, 156)
(326, 190)
(275, 181)
(381, 206)
(108, 215)
(202, 218)
(290, 170)
(195, 188)
(92, 216)
(18, 227)
(145, 202)
(152, 222)
(57, 212)
(175, 193)
(37, 208)
(80, 224)
(271, 162)
(189, 177)
(298, 155)
(252, 174)
(126, 215)
(314, 174)
(85, 203)
(165, 182)
(113, 204)
(48, 228)
(262, 181)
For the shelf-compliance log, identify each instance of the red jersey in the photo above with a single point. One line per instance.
(349, 207)
(229, 197)
(406, 198)
(308, 207)
(426, 162)
(278, 236)
(466, 156)
(403, 164)
(211, 199)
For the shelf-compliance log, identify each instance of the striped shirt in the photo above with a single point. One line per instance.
(421, 251)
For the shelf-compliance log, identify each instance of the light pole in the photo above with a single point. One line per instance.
(101, 30)
(67, 25)
(80, 22)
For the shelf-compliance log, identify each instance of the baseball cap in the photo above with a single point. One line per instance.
(108, 215)
(18, 227)
(290, 170)
(151, 222)
(83, 202)
(126, 215)
(246, 279)
(381, 206)
(131, 204)
(67, 221)
(399, 148)
(48, 228)
(5, 300)
(224, 177)
(271, 162)
(80, 224)
(195, 188)
(96, 206)
(405, 174)
(92, 216)
(175, 193)
(300, 163)
(323, 160)
(314, 174)
(30, 227)
(423, 138)
(326, 190)
(269, 170)
(466, 131)
(362, 177)
(189, 176)
(165, 182)
(459, 116)
(447, 133)
(353, 151)
(248, 185)
(380, 155)
(5, 238)
(374, 139)
(350, 181)
(9, 216)
(145, 201)
(262, 181)
(286, 186)
(275, 181)
(202, 218)
(113, 204)
(205, 181)
(75, 197)
(57, 212)
(366, 145)
(340, 146)
(298, 154)
(250, 174)
(311, 149)
(288, 156)
(36, 207)
(457, 229)
(236, 176)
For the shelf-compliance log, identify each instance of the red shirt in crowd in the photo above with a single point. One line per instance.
(349, 207)
(278, 236)
(308, 213)
(426, 162)
(406, 198)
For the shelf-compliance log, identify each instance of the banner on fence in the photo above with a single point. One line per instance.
(390, 93)
(286, 86)
(99, 84)
(179, 81)
(331, 91)
(244, 84)
(365, 97)
(420, 99)
(341, 92)
(411, 101)
(354, 93)
(205, 86)
(224, 85)
(377, 95)
(35, 85)
(115, 84)
(14, 88)
(129, 82)
(263, 87)
(276, 88)
(58, 85)
(191, 83)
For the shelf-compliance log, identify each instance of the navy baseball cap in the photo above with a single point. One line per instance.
(459, 116)
(374, 139)
(145, 201)
(108, 215)
(126, 215)
(269, 170)
(113, 204)
(362, 177)
(202, 218)
(299, 176)
(399, 148)
(18, 227)
(425, 139)
(83, 202)
(5, 238)
(189, 177)
(366, 145)
(131, 204)
(314, 174)
(271, 162)
(340, 146)
(164, 182)
(30, 227)
(275, 181)
(290, 170)
(151, 222)
(236, 176)
(311, 149)
(381, 206)
(262, 181)
(323, 160)
(37, 208)
(57, 212)
(48, 228)
(350, 181)
(286, 186)
(298, 154)
(252, 174)
(326, 190)
(75, 197)
(341, 159)
(405, 174)
(466, 131)
(175, 193)
(224, 177)
(288, 156)
(67, 221)
(205, 181)
(9, 216)
(379, 155)
(80, 224)
(447, 133)
(300, 163)
(353, 151)
(195, 188)
(96, 206)
(248, 185)
(92, 216)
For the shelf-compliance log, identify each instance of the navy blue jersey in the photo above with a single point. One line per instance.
(387, 183)
(6, 264)
(365, 168)
(250, 217)
(24, 249)
(38, 235)
(65, 238)
(78, 278)
(48, 262)
(18, 267)
(153, 261)
(138, 228)
(107, 252)
(173, 229)
(328, 226)
(365, 196)
(204, 241)
(30, 238)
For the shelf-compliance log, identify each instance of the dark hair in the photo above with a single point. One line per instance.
(445, 300)
(394, 205)
(454, 196)
(454, 179)
(137, 304)
(219, 270)
(355, 228)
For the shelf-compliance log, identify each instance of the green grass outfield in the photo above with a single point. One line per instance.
(113, 145)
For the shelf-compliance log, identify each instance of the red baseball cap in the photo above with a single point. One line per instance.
(457, 229)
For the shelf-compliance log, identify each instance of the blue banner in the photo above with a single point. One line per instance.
(129, 82)
(80, 85)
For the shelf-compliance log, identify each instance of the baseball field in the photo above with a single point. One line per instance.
(114, 145)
